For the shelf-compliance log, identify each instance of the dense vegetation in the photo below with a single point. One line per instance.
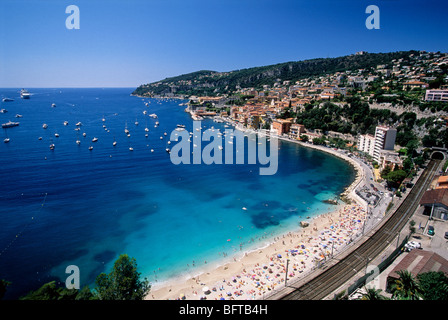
(122, 283)
(215, 83)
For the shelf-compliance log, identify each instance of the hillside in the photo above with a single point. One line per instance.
(214, 83)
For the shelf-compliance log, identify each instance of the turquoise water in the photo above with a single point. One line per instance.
(73, 206)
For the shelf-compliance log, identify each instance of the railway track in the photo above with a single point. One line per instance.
(328, 281)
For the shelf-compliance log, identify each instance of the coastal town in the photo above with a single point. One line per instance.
(415, 89)
(388, 166)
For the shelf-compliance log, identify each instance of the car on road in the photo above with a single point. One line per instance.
(431, 231)
(446, 235)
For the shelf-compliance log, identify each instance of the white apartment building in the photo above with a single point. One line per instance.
(366, 143)
(384, 139)
(437, 95)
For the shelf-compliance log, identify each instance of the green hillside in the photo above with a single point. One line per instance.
(214, 83)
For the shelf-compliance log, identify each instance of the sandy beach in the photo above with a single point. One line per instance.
(259, 272)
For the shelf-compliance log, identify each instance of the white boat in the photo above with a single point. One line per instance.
(45, 126)
(52, 146)
(79, 124)
(126, 128)
(40, 138)
(56, 135)
(168, 150)
(220, 147)
(152, 150)
(136, 122)
(94, 139)
(24, 94)
(19, 116)
(53, 105)
(114, 143)
(153, 115)
(90, 148)
(146, 129)
(131, 149)
(65, 123)
(78, 142)
(84, 134)
(6, 140)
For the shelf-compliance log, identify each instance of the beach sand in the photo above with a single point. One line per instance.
(260, 272)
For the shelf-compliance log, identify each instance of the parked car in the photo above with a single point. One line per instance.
(446, 235)
(431, 231)
(412, 245)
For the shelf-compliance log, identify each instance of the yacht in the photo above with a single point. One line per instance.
(84, 134)
(90, 148)
(131, 149)
(19, 116)
(24, 94)
(78, 142)
(3, 110)
(45, 126)
(146, 129)
(52, 146)
(10, 124)
(53, 105)
(94, 139)
(56, 135)
(136, 122)
(7, 99)
(153, 115)
(114, 143)
(40, 138)
(65, 123)
(79, 124)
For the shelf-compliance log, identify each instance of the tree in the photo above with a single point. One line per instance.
(50, 291)
(406, 287)
(373, 294)
(123, 282)
(3, 285)
(434, 285)
(394, 178)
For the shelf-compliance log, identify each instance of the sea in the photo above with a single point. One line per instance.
(75, 206)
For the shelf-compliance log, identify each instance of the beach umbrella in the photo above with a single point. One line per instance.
(206, 290)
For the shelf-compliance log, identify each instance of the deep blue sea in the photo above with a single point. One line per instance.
(75, 206)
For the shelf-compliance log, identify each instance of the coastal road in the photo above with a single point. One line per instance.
(347, 267)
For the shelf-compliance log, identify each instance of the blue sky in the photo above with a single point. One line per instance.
(127, 43)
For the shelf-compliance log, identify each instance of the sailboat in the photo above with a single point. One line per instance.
(126, 128)
(114, 143)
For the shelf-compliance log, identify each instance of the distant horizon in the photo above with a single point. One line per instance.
(129, 43)
(134, 87)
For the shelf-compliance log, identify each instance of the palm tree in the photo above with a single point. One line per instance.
(373, 294)
(406, 287)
